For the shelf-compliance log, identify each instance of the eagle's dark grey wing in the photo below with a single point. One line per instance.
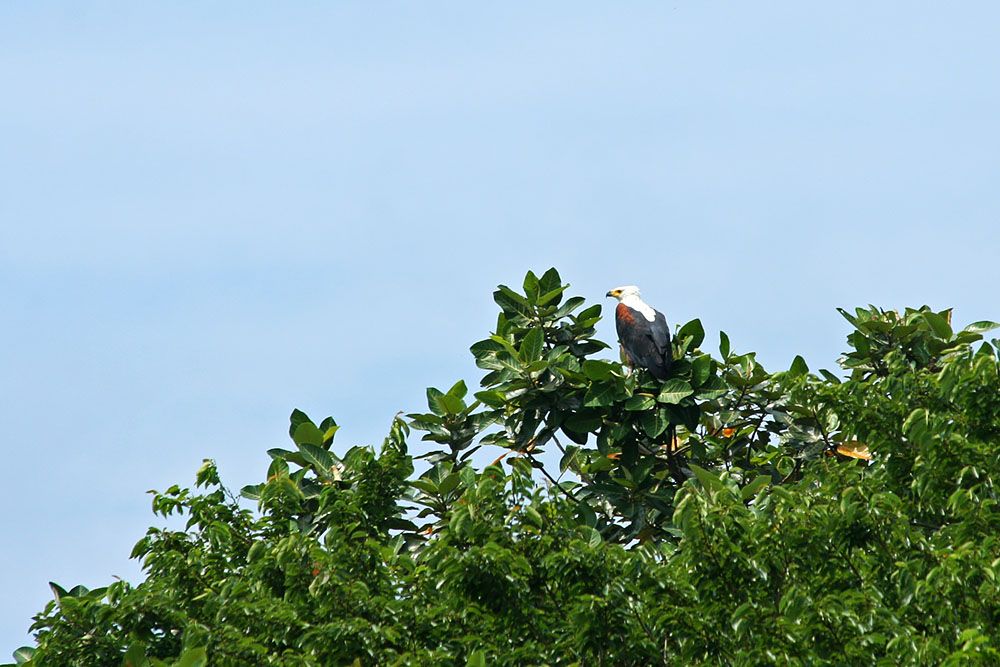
(646, 343)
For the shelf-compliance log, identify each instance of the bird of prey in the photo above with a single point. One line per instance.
(642, 332)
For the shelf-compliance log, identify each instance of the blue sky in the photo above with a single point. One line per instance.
(210, 215)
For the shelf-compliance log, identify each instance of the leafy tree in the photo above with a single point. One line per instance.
(726, 515)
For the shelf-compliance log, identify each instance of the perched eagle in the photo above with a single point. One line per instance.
(642, 332)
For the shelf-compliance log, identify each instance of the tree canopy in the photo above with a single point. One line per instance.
(727, 515)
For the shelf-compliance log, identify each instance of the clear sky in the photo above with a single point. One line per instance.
(213, 213)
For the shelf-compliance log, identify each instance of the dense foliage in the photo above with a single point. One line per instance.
(727, 515)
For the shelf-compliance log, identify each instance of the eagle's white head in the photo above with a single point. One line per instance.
(629, 295)
(623, 292)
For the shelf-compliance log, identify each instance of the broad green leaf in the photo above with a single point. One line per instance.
(449, 483)
(135, 656)
(442, 404)
(601, 395)
(307, 433)
(425, 485)
(709, 480)
(57, 591)
(981, 327)
(724, 348)
(584, 422)
(939, 325)
(640, 402)
(23, 654)
(701, 368)
(476, 659)
(799, 367)
(485, 347)
(712, 389)
(531, 286)
(569, 306)
(297, 417)
(194, 657)
(434, 401)
(751, 489)
(654, 422)
(511, 302)
(531, 345)
(494, 399)
(278, 468)
(829, 376)
(552, 297)
(319, 457)
(549, 281)
(251, 491)
(450, 404)
(695, 330)
(458, 390)
(847, 316)
(598, 370)
(674, 391)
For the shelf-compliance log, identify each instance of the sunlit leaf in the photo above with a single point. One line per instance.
(855, 450)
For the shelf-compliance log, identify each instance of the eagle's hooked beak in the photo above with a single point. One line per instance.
(614, 293)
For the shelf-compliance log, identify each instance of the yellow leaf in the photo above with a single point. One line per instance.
(855, 450)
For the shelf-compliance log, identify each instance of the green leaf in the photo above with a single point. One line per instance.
(850, 318)
(194, 657)
(569, 306)
(598, 370)
(829, 376)
(531, 346)
(434, 401)
(476, 659)
(307, 433)
(751, 489)
(938, 324)
(695, 330)
(709, 480)
(425, 485)
(449, 483)
(443, 404)
(494, 399)
(674, 391)
(584, 422)
(485, 348)
(701, 368)
(981, 327)
(458, 390)
(799, 367)
(654, 422)
(321, 459)
(23, 654)
(252, 491)
(713, 388)
(640, 402)
(724, 348)
(552, 297)
(601, 395)
(451, 405)
(511, 302)
(531, 286)
(135, 656)
(549, 281)
(57, 591)
(297, 417)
